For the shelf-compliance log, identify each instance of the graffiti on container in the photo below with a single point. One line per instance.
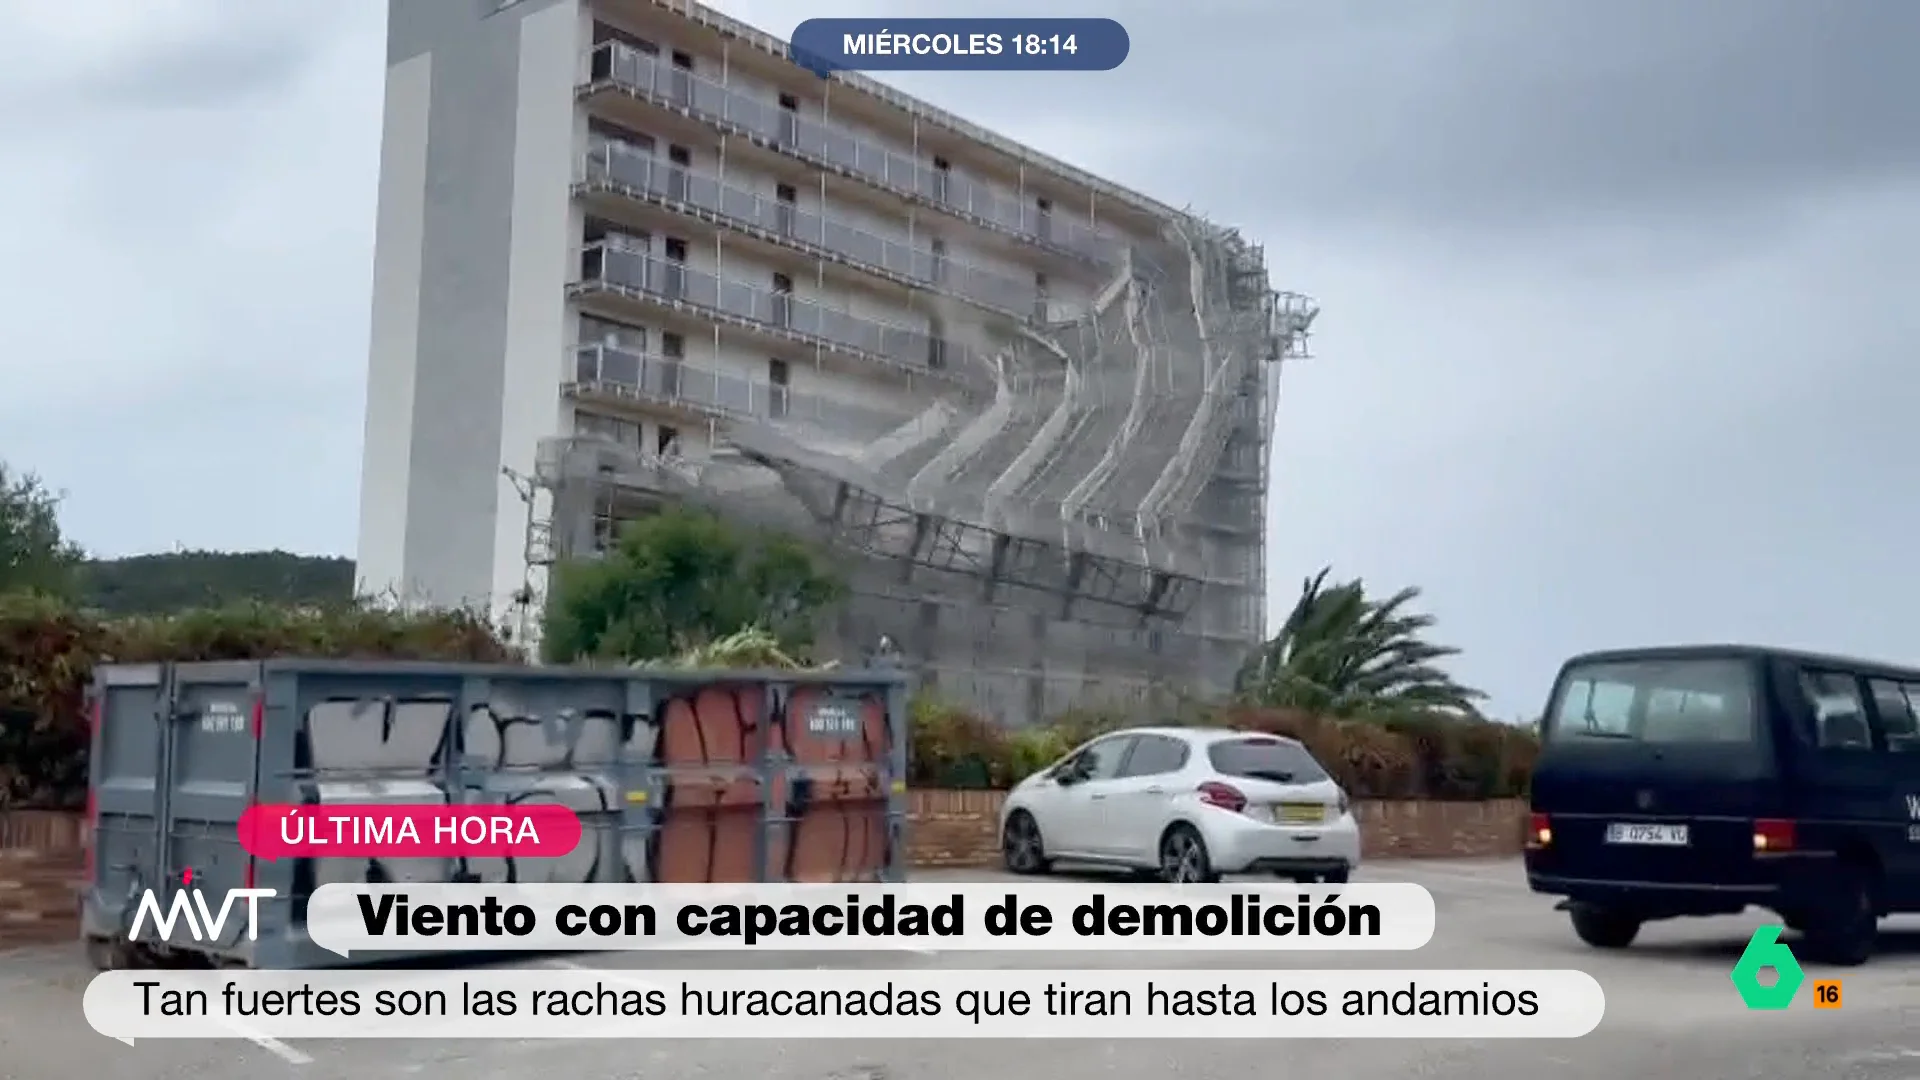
(397, 750)
(529, 751)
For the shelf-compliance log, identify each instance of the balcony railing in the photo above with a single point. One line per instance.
(636, 170)
(673, 381)
(631, 69)
(778, 311)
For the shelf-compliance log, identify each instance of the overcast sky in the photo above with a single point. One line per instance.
(1619, 320)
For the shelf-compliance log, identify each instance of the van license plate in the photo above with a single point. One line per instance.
(1658, 835)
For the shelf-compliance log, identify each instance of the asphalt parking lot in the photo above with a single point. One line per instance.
(1670, 1011)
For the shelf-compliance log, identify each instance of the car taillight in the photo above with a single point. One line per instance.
(1224, 796)
(1539, 831)
(1770, 834)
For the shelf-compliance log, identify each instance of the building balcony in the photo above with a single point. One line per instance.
(610, 372)
(634, 173)
(779, 315)
(624, 68)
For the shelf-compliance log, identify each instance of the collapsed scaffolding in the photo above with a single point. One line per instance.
(1088, 528)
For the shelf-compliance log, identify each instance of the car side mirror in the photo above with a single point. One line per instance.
(1067, 773)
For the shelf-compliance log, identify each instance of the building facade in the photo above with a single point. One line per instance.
(628, 254)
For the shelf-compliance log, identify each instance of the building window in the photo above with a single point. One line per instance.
(674, 276)
(779, 394)
(605, 37)
(680, 78)
(679, 160)
(1040, 298)
(789, 132)
(605, 141)
(666, 441)
(939, 261)
(1043, 218)
(936, 344)
(786, 199)
(673, 355)
(942, 178)
(782, 300)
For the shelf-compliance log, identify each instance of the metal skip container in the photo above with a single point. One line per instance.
(676, 777)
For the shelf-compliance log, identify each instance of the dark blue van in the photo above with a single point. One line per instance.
(1701, 780)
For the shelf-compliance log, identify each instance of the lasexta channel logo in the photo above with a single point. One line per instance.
(1765, 950)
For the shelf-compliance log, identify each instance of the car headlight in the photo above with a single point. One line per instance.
(1345, 805)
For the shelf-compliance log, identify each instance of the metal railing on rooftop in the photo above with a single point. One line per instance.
(635, 170)
(631, 69)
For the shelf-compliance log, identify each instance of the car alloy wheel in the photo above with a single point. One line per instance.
(1183, 858)
(1021, 847)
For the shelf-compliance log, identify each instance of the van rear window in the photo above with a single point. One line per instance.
(1656, 701)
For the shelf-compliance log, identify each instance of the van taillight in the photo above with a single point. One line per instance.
(1539, 831)
(1772, 835)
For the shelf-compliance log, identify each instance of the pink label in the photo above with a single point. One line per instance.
(425, 831)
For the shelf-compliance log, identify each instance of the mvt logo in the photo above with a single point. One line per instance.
(204, 924)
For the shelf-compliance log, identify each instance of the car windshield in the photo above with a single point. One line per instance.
(1655, 701)
(1265, 759)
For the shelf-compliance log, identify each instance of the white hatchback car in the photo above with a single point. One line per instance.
(1187, 805)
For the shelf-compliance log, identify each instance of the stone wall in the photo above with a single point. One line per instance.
(959, 828)
(43, 853)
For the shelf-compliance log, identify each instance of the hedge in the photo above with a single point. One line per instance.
(47, 653)
(1421, 757)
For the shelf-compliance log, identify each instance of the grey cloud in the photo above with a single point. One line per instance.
(217, 68)
(1487, 112)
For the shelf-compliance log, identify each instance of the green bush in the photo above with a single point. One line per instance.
(1405, 758)
(48, 650)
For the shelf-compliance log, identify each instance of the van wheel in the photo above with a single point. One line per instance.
(1604, 929)
(1844, 934)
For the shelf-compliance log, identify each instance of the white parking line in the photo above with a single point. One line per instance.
(1500, 878)
(268, 1043)
(610, 974)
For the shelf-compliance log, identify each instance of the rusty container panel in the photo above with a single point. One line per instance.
(676, 777)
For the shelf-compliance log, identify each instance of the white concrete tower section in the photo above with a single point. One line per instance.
(474, 236)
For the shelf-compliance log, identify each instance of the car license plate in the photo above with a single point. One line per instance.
(1301, 813)
(1655, 835)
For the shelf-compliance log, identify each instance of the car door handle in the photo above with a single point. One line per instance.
(1155, 790)
(1095, 795)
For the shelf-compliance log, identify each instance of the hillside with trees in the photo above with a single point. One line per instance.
(179, 581)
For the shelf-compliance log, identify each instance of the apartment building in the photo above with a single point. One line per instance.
(627, 254)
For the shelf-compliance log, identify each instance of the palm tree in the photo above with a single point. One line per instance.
(1341, 654)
